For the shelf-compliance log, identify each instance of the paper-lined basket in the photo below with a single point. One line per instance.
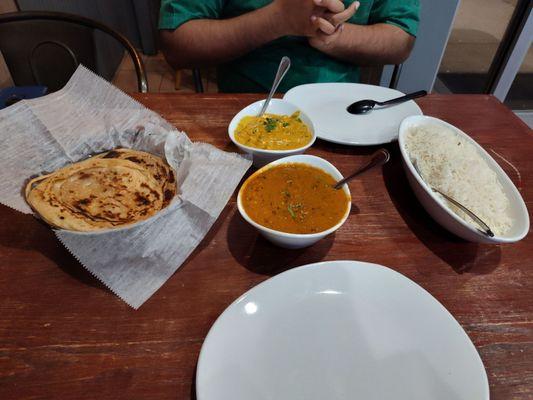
(89, 116)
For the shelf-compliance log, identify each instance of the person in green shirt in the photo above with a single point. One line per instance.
(326, 39)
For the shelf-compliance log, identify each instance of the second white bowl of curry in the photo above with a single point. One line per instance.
(292, 202)
(282, 131)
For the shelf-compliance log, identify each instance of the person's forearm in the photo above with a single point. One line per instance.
(370, 44)
(205, 41)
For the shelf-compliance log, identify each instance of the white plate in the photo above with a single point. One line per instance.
(325, 104)
(339, 330)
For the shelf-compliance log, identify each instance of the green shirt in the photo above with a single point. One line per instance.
(255, 71)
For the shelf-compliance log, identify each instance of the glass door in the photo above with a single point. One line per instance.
(487, 52)
(520, 96)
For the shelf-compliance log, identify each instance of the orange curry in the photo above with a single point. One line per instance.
(294, 198)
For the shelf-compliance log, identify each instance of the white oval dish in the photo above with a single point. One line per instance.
(339, 330)
(295, 240)
(326, 104)
(436, 206)
(262, 157)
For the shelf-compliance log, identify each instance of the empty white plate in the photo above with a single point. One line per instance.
(339, 330)
(325, 104)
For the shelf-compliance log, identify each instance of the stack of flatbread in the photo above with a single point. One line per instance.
(112, 189)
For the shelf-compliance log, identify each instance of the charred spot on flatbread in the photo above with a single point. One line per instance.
(168, 195)
(134, 159)
(111, 154)
(171, 178)
(142, 200)
(84, 202)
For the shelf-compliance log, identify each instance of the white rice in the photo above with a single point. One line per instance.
(453, 165)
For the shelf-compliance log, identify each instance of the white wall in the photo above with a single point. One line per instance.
(420, 69)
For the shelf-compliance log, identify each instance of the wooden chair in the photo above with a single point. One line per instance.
(198, 85)
(372, 75)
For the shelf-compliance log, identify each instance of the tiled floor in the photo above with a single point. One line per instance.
(161, 77)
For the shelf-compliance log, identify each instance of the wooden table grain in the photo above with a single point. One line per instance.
(64, 335)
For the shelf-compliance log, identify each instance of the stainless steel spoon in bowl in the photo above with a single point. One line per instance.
(486, 229)
(284, 66)
(380, 157)
(364, 106)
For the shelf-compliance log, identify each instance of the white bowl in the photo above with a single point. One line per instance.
(296, 240)
(276, 106)
(436, 206)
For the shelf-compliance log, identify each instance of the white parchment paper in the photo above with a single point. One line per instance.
(89, 116)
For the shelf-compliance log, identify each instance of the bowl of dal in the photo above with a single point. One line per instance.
(283, 130)
(455, 164)
(292, 202)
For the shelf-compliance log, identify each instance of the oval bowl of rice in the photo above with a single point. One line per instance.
(452, 162)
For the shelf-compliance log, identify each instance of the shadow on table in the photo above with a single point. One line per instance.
(461, 255)
(258, 255)
(26, 233)
(193, 384)
(208, 238)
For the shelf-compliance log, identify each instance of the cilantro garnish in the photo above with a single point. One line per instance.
(270, 124)
(293, 215)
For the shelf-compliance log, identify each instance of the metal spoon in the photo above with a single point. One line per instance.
(380, 157)
(364, 106)
(487, 231)
(284, 66)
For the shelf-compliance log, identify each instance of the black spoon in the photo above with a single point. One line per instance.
(364, 106)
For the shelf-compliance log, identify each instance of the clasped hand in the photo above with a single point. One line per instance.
(320, 20)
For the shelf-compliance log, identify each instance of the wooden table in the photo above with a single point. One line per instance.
(63, 335)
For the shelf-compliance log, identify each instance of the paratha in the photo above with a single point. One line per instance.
(155, 165)
(112, 189)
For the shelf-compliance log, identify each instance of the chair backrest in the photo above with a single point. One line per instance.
(373, 75)
(45, 48)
